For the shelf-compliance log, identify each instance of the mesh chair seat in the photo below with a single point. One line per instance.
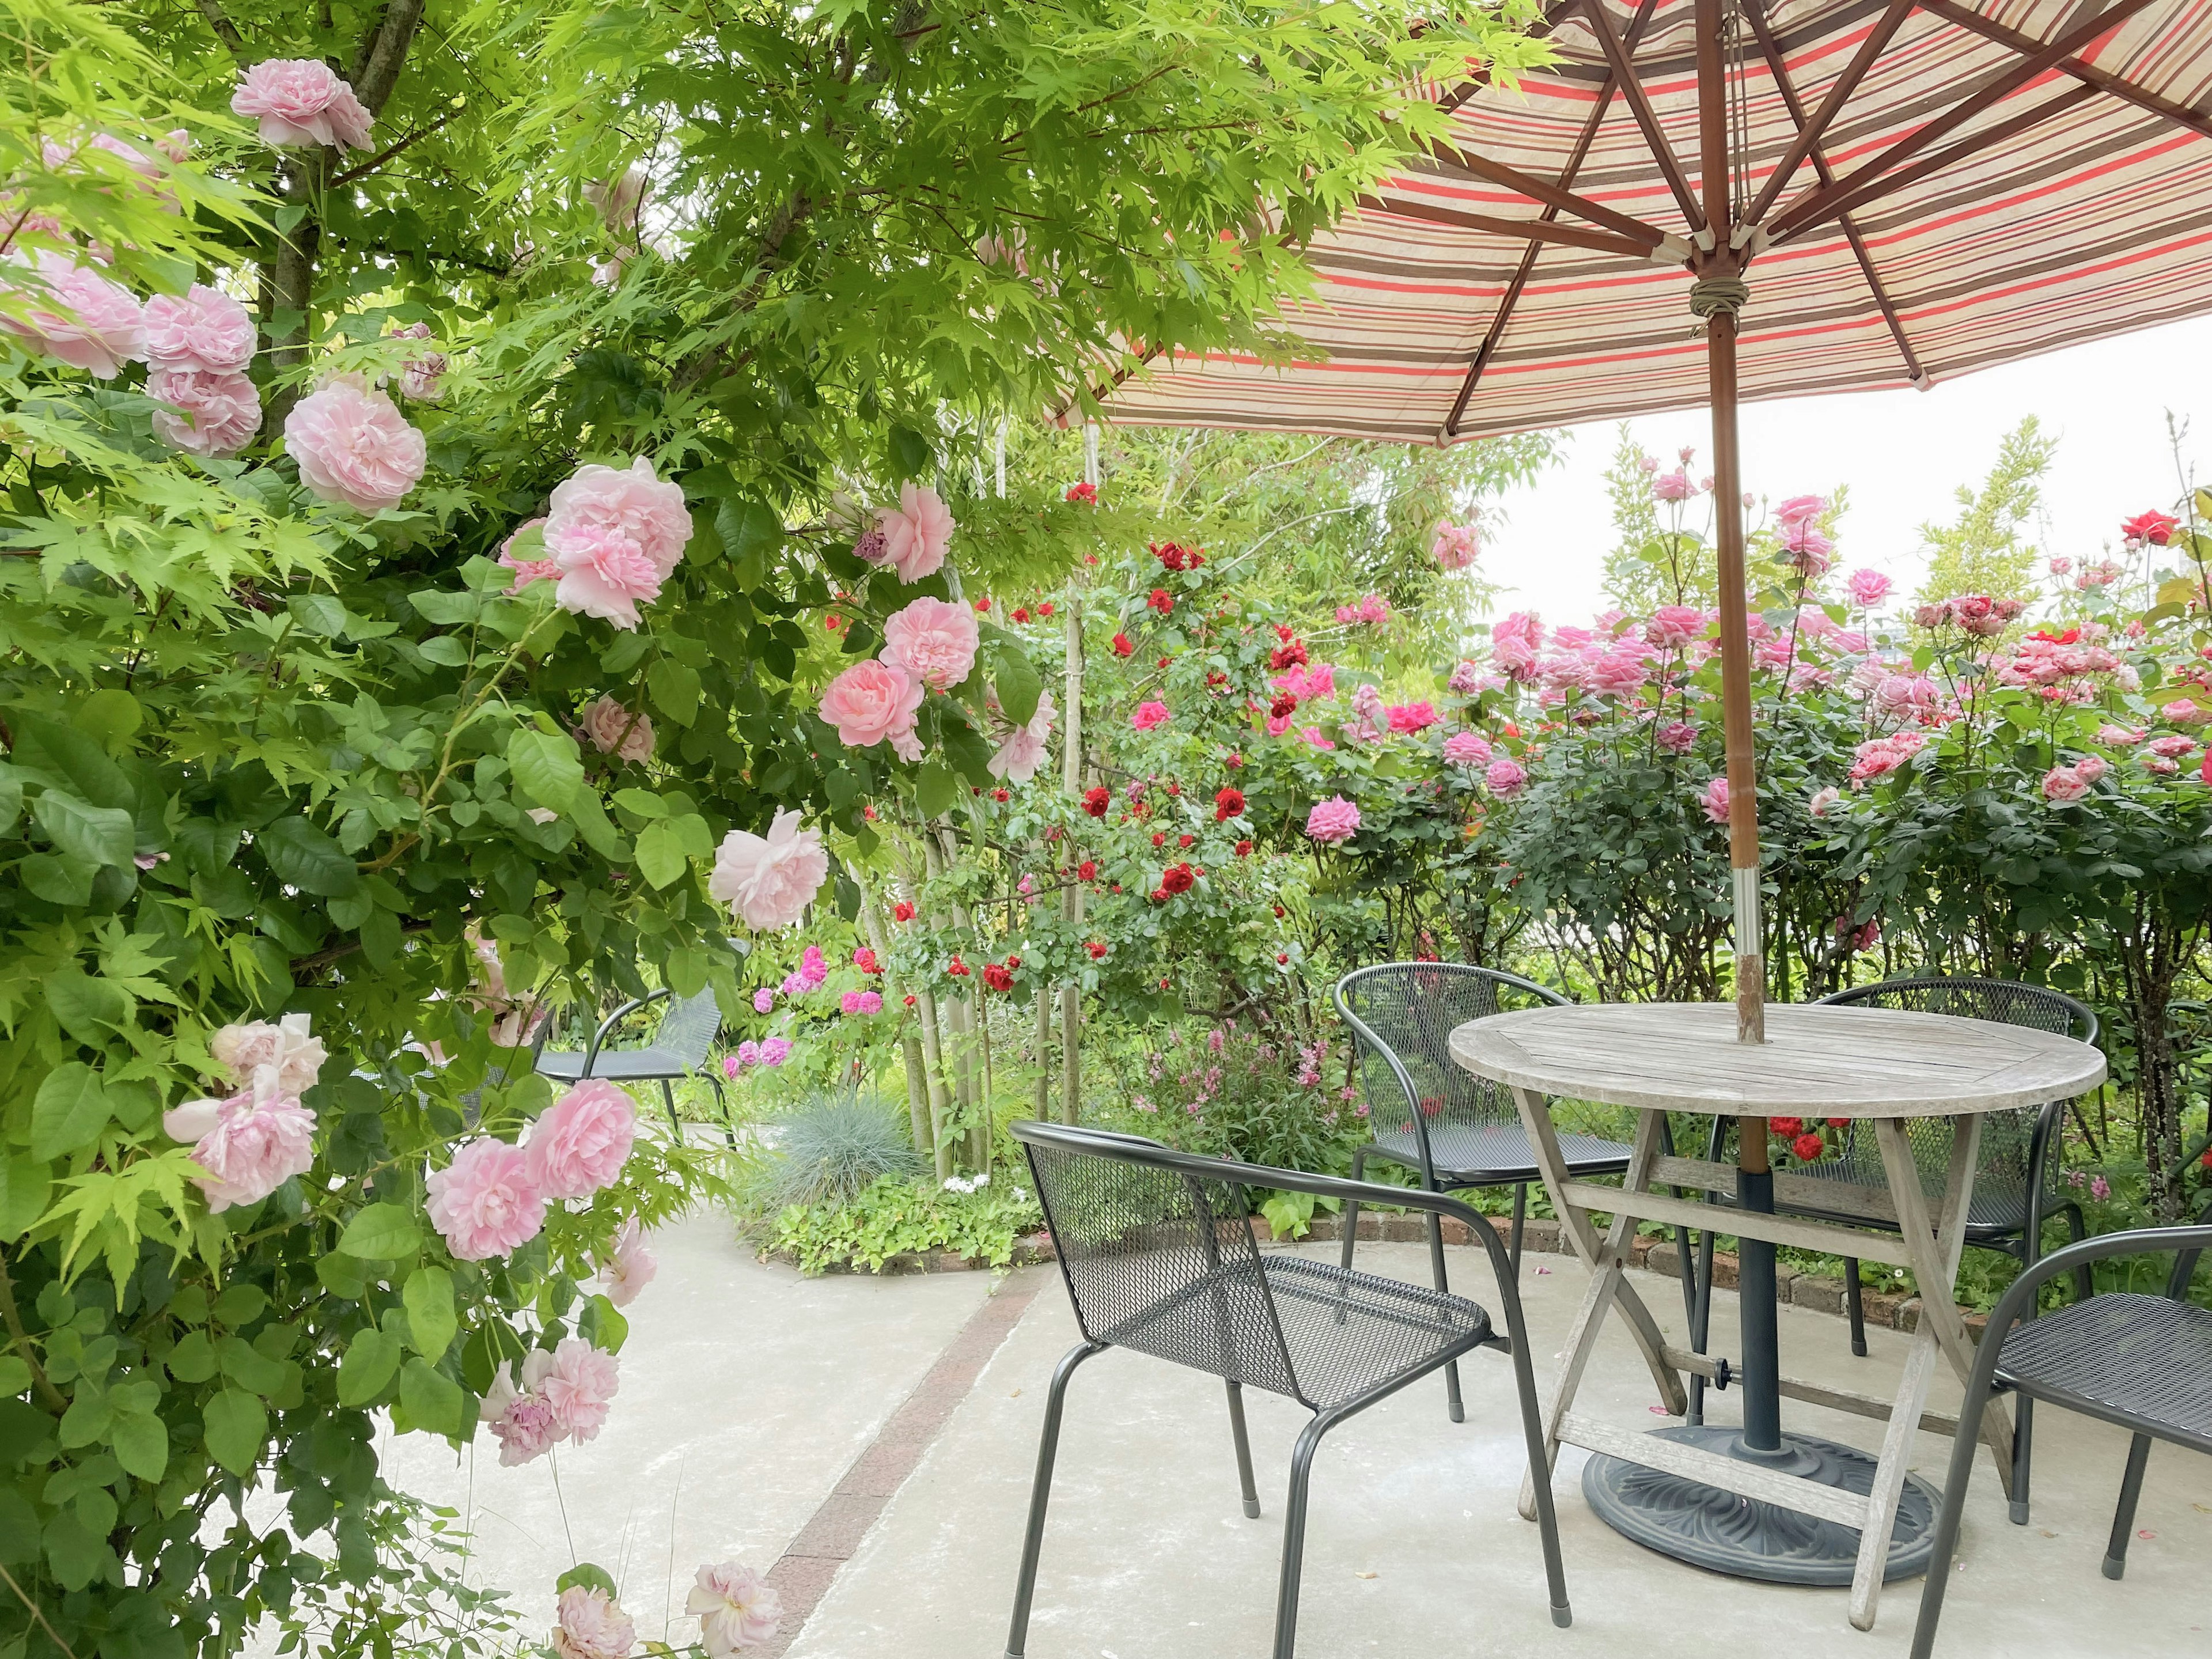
(1487, 1154)
(614, 1063)
(2140, 1357)
(1999, 1202)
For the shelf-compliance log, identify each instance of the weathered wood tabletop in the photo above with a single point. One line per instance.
(1816, 1061)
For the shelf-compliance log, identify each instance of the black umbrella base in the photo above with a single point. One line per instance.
(1748, 1537)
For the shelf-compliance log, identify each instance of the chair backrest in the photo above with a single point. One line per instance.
(1401, 1015)
(1157, 1258)
(689, 1027)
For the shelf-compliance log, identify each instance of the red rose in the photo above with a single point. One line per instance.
(957, 968)
(997, 977)
(2156, 528)
(1214, 677)
(909, 999)
(1167, 984)
(902, 911)
(1785, 1127)
(1044, 607)
(982, 605)
(1021, 613)
(1159, 895)
(1117, 887)
(1000, 795)
(1839, 1123)
(1185, 841)
(1283, 632)
(831, 624)
(1162, 601)
(1284, 704)
(1177, 878)
(1087, 870)
(864, 960)
(1279, 912)
(1159, 838)
(1244, 849)
(1227, 804)
(1282, 955)
(1013, 961)
(1163, 662)
(1096, 801)
(1808, 1147)
(1174, 789)
(1097, 951)
(1235, 759)
(1121, 645)
(1286, 655)
(1085, 494)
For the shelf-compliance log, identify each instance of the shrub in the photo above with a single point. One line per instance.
(834, 1148)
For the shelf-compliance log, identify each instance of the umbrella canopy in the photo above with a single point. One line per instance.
(1863, 193)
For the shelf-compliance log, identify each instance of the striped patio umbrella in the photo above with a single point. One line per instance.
(1706, 201)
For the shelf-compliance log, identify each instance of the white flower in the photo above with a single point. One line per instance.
(736, 1608)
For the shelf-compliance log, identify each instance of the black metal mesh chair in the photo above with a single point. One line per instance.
(678, 1048)
(1453, 1128)
(1156, 1249)
(2144, 1362)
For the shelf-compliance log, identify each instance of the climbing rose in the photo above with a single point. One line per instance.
(1122, 648)
(582, 1141)
(354, 446)
(914, 534)
(933, 641)
(902, 911)
(580, 1385)
(78, 318)
(205, 413)
(1673, 626)
(1868, 588)
(1096, 800)
(285, 1050)
(1673, 486)
(1456, 546)
(250, 1144)
(302, 100)
(871, 701)
(1018, 758)
(614, 730)
(525, 1425)
(1715, 800)
(1333, 821)
(1800, 510)
(588, 1624)
(736, 1608)
(1148, 715)
(204, 329)
(1085, 495)
(1823, 802)
(617, 533)
(629, 1268)
(1227, 804)
(484, 1203)
(861, 1002)
(769, 881)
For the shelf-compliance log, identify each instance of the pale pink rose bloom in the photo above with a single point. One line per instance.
(1715, 800)
(630, 1267)
(1673, 626)
(2119, 737)
(521, 1419)
(176, 146)
(285, 1050)
(1148, 715)
(2090, 767)
(2183, 711)
(250, 1144)
(630, 500)
(617, 204)
(1333, 821)
(915, 532)
(603, 573)
(870, 702)
(1823, 800)
(580, 1386)
(419, 376)
(1018, 758)
(582, 1141)
(204, 413)
(1677, 737)
(76, 316)
(355, 448)
(2172, 748)
(528, 570)
(1673, 486)
(485, 1203)
(736, 1608)
(2063, 783)
(204, 329)
(769, 881)
(587, 1624)
(933, 640)
(302, 100)
(1800, 509)
(1467, 748)
(1621, 670)
(1456, 546)
(614, 730)
(1505, 778)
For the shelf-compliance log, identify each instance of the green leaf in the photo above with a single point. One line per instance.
(192, 1360)
(547, 766)
(98, 836)
(937, 789)
(430, 1399)
(75, 1551)
(370, 1359)
(109, 715)
(18, 1528)
(598, 829)
(382, 1232)
(318, 614)
(74, 758)
(342, 1275)
(1016, 677)
(660, 857)
(69, 1112)
(140, 1444)
(674, 689)
(250, 1368)
(641, 803)
(909, 453)
(307, 858)
(589, 1576)
(446, 610)
(444, 649)
(603, 1326)
(25, 1183)
(237, 1425)
(747, 528)
(431, 1321)
(87, 1008)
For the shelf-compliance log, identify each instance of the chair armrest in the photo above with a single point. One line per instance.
(606, 1025)
(2187, 1242)
(1361, 1035)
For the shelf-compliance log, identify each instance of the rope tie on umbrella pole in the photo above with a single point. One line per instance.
(1711, 294)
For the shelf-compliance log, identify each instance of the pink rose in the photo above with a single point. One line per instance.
(871, 701)
(2090, 767)
(292, 1058)
(514, 553)
(1823, 801)
(1514, 643)
(485, 1203)
(205, 413)
(1467, 678)
(2119, 737)
(2183, 711)
(618, 534)
(204, 329)
(1456, 546)
(735, 1607)
(916, 534)
(354, 446)
(580, 1385)
(1621, 670)
(1673, 486)
(587, 1624)
(1505, 778)
(74, 314)
(604, 573)
(1018, 758)
(861, 1002)
(250, 1144)
(1673, 626)
(302, 100)
(1867, 587)
(631, 1266)
(2063, 783)
(1800, 509)
(522, 1419)
(1469, 749)
(1333, 822)
(1677, 737)
(617, 204)
(614, 730)
(582, 1141)
(933, 640)
(1411, 716)
(2172, 748)
(1148, 715)
(769, 881)
(1715, 800)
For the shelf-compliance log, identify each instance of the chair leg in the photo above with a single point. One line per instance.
(1244, 1452)
(1352, 1209)
(1294, 1536)
(1854, 1303)
(722, 1105)
(1520, 1219)
(1701, 1323)
(2123, 1518)
(1436, 1263)
(2076, 1230)
(668, 1094)
(1964, 1442)
(1017, 1633)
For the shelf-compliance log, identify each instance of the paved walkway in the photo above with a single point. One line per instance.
(875, 1440)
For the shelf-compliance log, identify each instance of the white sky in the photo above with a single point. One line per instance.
(1904, 454)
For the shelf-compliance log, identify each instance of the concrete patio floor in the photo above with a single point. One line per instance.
(762, 1389)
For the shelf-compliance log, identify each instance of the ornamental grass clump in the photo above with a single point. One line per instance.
(834, 1147)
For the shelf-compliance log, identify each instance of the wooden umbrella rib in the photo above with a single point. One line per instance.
(1552, 196)
(1537, 230)
(1624, 76)
(2104, 80)
(1770, 48)
(1831, 104)
(1874, 189)
(1819, 202)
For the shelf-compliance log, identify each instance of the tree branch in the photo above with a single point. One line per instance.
(363, 169)
(225, 30)
(46, 1391)
(383, 51)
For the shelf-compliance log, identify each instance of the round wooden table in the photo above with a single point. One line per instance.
(1754, 1501)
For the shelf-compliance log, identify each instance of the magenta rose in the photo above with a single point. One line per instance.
(302, 100)
(204, 329)
(768, 881)
(933, 640)
(485, 1203)
(206, 413)
(870, 702)
(582, 1140)
(354, 446)
(74, 315)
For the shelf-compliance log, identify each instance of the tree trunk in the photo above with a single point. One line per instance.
(1071, 782)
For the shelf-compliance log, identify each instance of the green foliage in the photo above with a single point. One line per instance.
(834, 1147)
(895, 1216)
(1981, 551)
